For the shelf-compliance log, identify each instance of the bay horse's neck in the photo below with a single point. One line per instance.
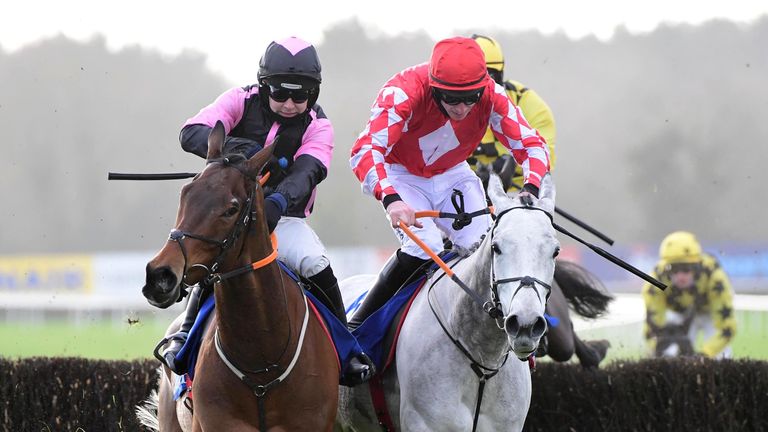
(253, 308)
(474, 327)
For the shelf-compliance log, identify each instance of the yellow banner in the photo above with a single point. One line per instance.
(46, 273)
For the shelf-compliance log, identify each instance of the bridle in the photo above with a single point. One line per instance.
(241, 225)
(525, 281)
(493, 306)
(494, 309)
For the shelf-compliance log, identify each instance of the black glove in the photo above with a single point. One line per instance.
(484, 173)
(531, 189)
(273, 212)
(276, 169)
(246, 147)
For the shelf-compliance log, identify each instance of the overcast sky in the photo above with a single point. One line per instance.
(234, 33)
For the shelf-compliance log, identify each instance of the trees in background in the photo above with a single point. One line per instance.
(656, 132)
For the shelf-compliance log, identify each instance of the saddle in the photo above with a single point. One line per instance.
(378, 335)
(344, 343)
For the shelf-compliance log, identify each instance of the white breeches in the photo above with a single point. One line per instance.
(434, 193)
(299, 247)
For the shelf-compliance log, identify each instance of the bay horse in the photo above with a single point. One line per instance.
(452, 369)
(265, 361)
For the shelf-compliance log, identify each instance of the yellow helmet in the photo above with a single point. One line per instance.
(680, 247)
(494, 58)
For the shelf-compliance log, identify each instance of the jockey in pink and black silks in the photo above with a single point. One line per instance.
(425, 123)
(282, 103)
(289, 74)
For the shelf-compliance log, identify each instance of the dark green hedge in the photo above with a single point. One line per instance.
(651, 395)
(64, 394)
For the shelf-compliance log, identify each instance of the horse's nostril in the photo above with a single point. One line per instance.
(162, 278)
(512, 325)
(539, 327)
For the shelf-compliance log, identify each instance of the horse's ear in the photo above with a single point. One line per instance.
(257, 162)
(547, 194)
(497, 194)
(216, 141)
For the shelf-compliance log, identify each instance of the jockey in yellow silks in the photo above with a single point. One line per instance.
(536, 111)
(698, 290)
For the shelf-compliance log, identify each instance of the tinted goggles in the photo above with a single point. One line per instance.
(466, 97)
(682, 267)
(282, 94)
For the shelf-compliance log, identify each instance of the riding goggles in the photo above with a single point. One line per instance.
(453, 98)
(682, 267)
(283, 92)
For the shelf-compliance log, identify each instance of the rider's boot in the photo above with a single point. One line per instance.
(330, 295)
(395, 273)
(177, 340)
(360, 367)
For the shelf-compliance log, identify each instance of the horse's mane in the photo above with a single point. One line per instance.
(584, 291)
(235, 160)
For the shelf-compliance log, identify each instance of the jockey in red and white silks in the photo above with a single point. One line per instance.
(413, 151)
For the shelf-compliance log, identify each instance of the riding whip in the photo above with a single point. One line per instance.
(578, 222)
(162, 176)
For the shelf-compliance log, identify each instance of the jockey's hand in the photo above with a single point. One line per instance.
(400, 211)
(247, 147)
(525, 198)
(272, 212)
(527, 193)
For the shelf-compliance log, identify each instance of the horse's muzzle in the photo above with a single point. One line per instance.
(524, 337)
(161, 288)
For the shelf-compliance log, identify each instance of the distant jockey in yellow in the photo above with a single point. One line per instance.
(699, 299)
(536, 111)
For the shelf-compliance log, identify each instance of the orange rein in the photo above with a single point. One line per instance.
(263, 179)
(269, 258)
(422, 245)
(488, 306)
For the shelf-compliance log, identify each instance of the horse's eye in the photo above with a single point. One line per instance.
(495, 248)
(232, 211)
(557, 252)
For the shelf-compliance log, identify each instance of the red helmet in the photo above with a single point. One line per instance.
(457, 64)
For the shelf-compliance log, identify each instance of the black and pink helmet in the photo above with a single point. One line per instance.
(291, 56)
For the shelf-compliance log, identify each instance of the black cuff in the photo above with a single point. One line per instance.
(533, 190)
(389, 199)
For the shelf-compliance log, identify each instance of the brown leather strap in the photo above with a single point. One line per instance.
(380, 404)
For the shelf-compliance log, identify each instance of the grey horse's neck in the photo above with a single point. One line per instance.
(467, 320)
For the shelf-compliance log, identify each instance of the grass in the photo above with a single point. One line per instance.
(122, 340)
(106, 340)
(626, 340)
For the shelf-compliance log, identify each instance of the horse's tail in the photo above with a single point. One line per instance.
(146, 412)
(583, 290)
